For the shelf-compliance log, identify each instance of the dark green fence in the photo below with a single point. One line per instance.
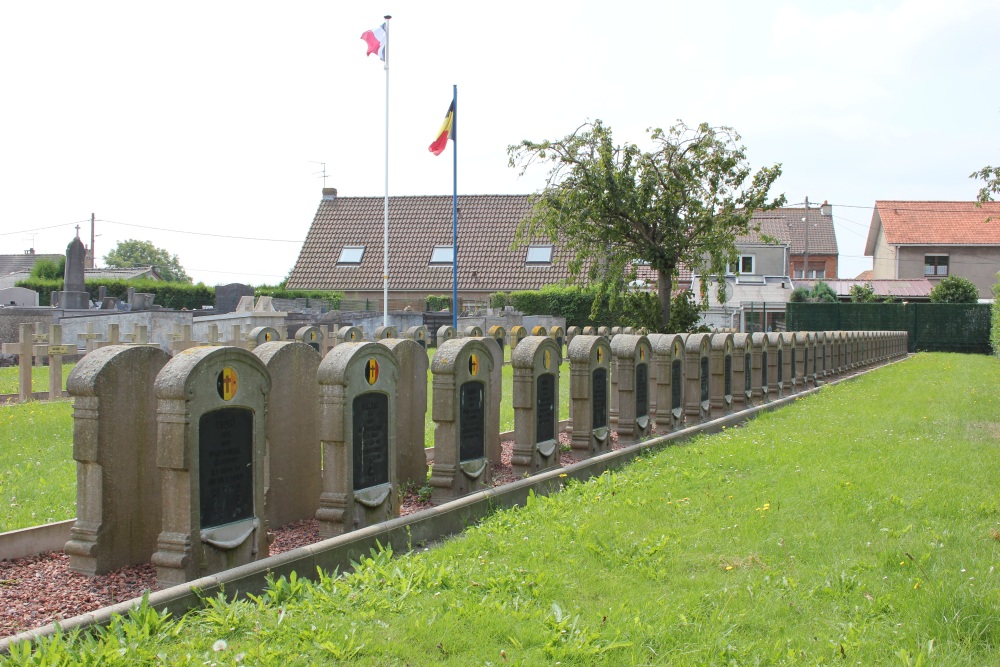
(935, 327)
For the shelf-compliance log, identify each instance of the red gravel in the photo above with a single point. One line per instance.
(37, 590)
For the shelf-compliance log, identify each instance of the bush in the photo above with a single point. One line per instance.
(499, 300)
(168, 295)
(437, 303)
(333, 298)
(955, 289)
(995, 318)
(799, 295)
(47, 269)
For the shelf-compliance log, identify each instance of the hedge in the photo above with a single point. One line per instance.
(167, 294)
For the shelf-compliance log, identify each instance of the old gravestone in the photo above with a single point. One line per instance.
(697, 350)
(742, 376)
(445, 333)
(386, 332)
(358, 393)
(411, 410)
(472, 331)
(758, 368)
(118, 500)
(790, 373)
(463, 385)
(349, 334)
(721, 365)
(517, 334)
(292, 464)
(210, 451)
(632, 360)
(589, 388)
(261, 335)
(419, 334)
(499, 335)
(668, 357)
(776, 374)
(227, 297)
(74, 295)
(557, 334)
(311, 336)
(535, 398)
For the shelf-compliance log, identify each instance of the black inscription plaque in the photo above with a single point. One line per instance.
(747, 373)
(370, 415)
(225, 466)
(471, 422)
(314, 345)
(545, 407)
(781, 366)
(727, 373)
(599, 398)
(763, 371)
(641, 390)
(704, 379)
(793, 363)
(675, 385)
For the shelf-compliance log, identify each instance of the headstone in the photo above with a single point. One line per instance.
(617, 330)
(471, 332)
(557, 334)
(632, 357)
(517, 334)
(697, 406)
(24, 349)
(138, 336)
(261, 335)
(721, 365)
(311, 336)
(444, 334)
(212, 403)
(386, 332)
(539, 330)
(792, 368)
(571, 333)
(590, 331)
(118, 500)
(358, 394)
(742, 375)
(18, 296)
(265, 304)
(668, 360)
(776, 363)
(759, 369)
(90, 338)
(245, 304)
(536, 405)
(292, 464)
(74, 295)
(589, 389)
(419, 334)
(463, 384)
(604, 332)
(181, 340)
(114, 336)
(227, 297)
(499, 335)
(411, 410)
(630, 331)
(52, 348)
(807, 343)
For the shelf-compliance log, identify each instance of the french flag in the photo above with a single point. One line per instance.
(376, 39)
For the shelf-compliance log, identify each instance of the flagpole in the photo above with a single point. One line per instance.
(454, 207)
(385, 208)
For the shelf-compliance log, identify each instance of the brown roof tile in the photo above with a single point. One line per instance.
(938, 222)
(785, 224)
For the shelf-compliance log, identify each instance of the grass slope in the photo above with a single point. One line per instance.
(858, 526)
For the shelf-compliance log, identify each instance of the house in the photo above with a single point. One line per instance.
(18, 267)
(934, 239)
(343, 249)
(810, 235)
(131, 273)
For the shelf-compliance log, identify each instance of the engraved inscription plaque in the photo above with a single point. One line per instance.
(370, 415)
(793, 363)
(599, 380)
(225, 458)
(545, 428)
(747, 375)
(728, 375)
(675, 385)
(471, 422)
(704, 379)
(642, 390)
(781, 366)
(763, 370)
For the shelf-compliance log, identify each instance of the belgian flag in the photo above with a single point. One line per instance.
(446, 132)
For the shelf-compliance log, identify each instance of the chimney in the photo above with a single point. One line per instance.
(826, 209)
(29, 251)
(329, 194)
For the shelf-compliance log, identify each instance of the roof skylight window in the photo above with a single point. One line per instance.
(442, 255)
(539, 254)
(351, 254)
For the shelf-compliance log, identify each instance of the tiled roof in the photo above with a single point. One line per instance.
(646, 273)
(129, 273)
(785, 224)
(936, 223)
(416, 224)
(920, 287)
(22, 262)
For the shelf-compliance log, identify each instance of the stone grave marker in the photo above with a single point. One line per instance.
(53, 349)
(181, 340)
(227, 297)
(386, 332)
(668, 357)
(138, 336)
(118, 499)
(499, 335)
(697, 350)
(472, 332)
(349, 334)
(245, 304)
(535, 363)
(90, 338)
(261, 335)
(312, 336)
(517, 334)
(539, 330)
(628, 331)
(463, 384)
(571, 333)
(589, 389)
(632, 360)
(617, 330)
(419, 334)
(742, 377)
(445, 333)
(214, 336)
(114, 336)
(604, 332)
(24, 349)
(721, 366)
(803, 359)
(211, 435)
(759, 368)
(74, 295)
(792, 367)
(411, 410)
(292, 463)
(557, 334)
(776, 373)
(358, 393)
(265, 304)
(590, 331)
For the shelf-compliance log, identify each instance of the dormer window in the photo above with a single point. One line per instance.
(442, 255)
(743, 266)
(539, 255)
(351, 255)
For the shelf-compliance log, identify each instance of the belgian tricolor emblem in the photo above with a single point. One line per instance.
(227, 383)
(446, 132)
(371, 371)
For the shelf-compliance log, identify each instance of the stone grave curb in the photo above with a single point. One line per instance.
(34, 540)
(402, 533)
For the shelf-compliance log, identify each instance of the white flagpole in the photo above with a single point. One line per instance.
(385, 230)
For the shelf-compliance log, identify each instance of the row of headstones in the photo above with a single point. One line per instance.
(185, 461)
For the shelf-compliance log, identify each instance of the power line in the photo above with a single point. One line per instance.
(220, 236)
(39, 229)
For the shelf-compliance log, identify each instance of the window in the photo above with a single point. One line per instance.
(935, 265)
(816, 272)
(351, 255)
(539, 254)
(442, 255)
(744, 265)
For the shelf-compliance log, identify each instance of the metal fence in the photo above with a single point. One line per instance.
(934, 327)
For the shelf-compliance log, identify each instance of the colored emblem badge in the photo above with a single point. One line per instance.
(267, 337)
(312, 335)
(547, 359)
(473, 364)
(227, 383)
(642, 353)
(371, 371)
(600, 355)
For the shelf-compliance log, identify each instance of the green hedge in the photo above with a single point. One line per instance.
(576, 304)
(167, 294)
(333, 298)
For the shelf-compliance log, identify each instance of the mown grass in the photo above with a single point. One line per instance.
(857, 526)
(39, 378)
(37, 471)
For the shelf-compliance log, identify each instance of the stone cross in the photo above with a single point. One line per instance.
(53, 348)
(91, 338)
(214, 335)
(139, 335)
(114, 336)
(24, 349)
(181, 340)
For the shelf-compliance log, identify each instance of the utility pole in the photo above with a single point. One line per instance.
(805, 259)
(93, 257)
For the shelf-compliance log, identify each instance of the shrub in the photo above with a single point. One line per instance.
(799, 295)
(436, 303)
(955, 289)
(47, 269)
(499, 300)
(995, 318)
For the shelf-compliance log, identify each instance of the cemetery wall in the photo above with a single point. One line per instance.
(161, 323)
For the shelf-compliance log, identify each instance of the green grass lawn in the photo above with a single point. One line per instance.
(39, 378)
(858, 526)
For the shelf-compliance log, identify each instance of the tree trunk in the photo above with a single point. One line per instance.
(664, 286)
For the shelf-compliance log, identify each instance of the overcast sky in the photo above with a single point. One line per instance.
(175, 120)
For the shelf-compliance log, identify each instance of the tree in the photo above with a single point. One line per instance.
(48, 269)
(991, 178)
(955, 289)
(685, 201)
(864, 294)
(130, 253)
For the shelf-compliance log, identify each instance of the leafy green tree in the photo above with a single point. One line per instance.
(955, 289)
(864, 294)
(47, 269)
(991, 183)
(822, 293)
(684, 201)
(131, 253)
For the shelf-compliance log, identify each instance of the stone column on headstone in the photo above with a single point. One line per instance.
(632, 358)
(776, 373)
(463, 371)
(535, 398)
(211, 409)
(24, 349)
(696, 373)
(358, 396)
(668, 380)
(74, 295)
(742, 375)
(721, 381)
(589, 386)
(293, 464)
(118, 485)
(411, 410)
(419, 334)
(759, 368)
(386, 332)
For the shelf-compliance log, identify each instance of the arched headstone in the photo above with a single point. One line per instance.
(589, 388)
(697, 349)
(411, 410)
(311, 336)
(536, 406)
(632, 360)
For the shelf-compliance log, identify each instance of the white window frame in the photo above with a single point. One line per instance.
(347, 254)
(739, 265)
(937, 273)
(535, 250)
(442, 255)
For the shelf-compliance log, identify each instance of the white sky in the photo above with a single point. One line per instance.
(205, 117)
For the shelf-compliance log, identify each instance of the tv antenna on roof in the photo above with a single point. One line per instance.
(321, 171)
